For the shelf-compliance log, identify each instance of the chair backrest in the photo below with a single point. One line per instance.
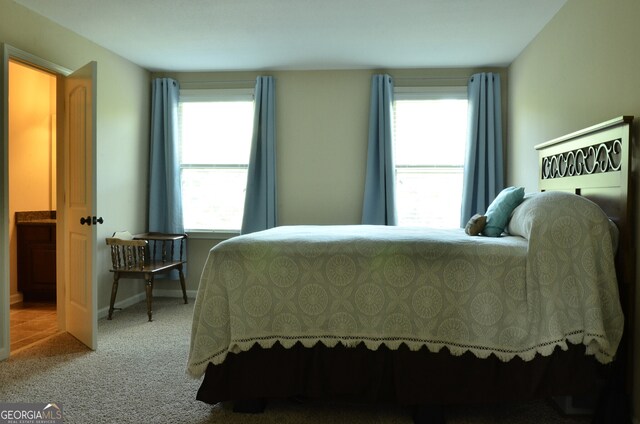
(127, 254)
(124, 235)
(165, 247)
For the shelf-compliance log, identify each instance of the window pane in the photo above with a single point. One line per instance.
(213, 199)
(429, 197)
(430, 132)
(216, 132)
(215, 143)
(430, 139)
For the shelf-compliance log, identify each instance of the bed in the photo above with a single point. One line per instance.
(425, 317)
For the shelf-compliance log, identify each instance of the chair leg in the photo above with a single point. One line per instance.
(149, 290)
(114, 291)
(184, 287)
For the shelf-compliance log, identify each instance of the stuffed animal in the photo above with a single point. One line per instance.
(475, 225)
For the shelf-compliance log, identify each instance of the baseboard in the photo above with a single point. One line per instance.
(125, 303)
(15, 298)
(141, 297)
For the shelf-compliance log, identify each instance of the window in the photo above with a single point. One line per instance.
(430, 139)
(215, 140)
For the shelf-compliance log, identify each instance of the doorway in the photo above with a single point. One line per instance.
(32, 203)
(75, 188)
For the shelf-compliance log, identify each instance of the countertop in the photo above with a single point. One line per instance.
(36, 218)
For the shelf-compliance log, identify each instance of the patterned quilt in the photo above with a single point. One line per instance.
(506, 296)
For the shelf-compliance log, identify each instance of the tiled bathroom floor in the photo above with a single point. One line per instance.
(31, 322)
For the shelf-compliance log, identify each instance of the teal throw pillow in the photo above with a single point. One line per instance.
(500, 209)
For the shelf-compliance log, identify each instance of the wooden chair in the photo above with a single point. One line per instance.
(144, 256)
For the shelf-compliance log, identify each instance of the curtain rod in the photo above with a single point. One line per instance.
(220, 82)
(431, 78)
(395, 78)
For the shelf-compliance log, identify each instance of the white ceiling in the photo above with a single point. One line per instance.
(218, 35)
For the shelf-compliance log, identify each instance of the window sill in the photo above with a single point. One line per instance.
(212, 235)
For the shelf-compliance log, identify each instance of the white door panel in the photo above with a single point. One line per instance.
(80, 134)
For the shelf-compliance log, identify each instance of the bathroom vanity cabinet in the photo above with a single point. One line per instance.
(36, 256)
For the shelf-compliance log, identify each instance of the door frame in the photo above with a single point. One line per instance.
(10, 52)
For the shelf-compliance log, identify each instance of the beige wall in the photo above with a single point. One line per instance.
(322, 124)
(123, 97)
(32, 116)
(582, 69)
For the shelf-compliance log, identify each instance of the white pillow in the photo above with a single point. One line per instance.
(559, 215)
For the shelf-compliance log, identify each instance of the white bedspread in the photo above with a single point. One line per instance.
(376, 285)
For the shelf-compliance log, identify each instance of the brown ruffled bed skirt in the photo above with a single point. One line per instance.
(400, 376)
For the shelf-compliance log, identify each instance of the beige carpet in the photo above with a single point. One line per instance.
(137, 375)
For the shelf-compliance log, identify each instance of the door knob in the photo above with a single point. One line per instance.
(91, 220)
